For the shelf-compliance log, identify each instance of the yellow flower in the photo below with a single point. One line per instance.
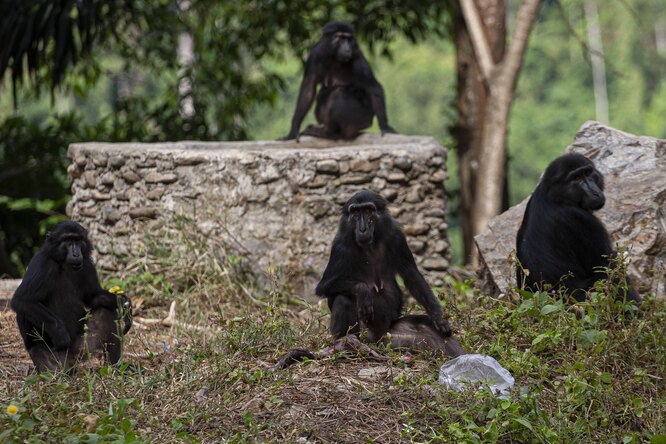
(116, 290)
(12, 409)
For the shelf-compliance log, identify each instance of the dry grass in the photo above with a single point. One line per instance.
(595, 378)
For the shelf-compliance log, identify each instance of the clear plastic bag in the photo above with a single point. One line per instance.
(470, 371)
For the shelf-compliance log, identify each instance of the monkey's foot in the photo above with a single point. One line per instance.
(318, 131)
(290, 358)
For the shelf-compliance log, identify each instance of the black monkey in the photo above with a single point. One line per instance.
(359, 282)
(60, 295)
(349, 96)
(560, 240)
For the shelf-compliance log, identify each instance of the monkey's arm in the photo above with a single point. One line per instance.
(97, 297)
(374, 88)
(417, 285)
(28, 302)
(342, 273)
(306, 96)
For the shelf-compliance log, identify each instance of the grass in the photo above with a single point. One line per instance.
(586, 376)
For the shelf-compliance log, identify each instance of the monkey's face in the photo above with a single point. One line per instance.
(344, 46)
(584, 188)
(68, 245)
(70, 248)
(363, 218)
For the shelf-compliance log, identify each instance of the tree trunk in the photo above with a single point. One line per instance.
(598, 61)
(499, 80)
(472, 103)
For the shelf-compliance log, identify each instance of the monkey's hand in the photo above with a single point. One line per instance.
(388, 130)
(364, 302)
(291, 136)
(365, 310)
(442, 325)
(60, 336)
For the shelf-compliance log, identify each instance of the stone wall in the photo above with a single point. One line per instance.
(278, 202)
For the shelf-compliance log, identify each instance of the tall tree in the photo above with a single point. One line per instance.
(487, 77)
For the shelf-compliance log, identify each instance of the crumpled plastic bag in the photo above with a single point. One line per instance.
(470, 371)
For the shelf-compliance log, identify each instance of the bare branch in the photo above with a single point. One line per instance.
(582, 41)
(478, 36)
(513, 59)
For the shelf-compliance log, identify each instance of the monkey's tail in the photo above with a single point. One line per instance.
(292, 357)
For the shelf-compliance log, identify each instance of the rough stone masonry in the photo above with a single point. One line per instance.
(278, 202)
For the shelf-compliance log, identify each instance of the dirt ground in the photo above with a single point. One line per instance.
(15, 364)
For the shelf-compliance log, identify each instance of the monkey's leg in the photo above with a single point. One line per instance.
(46, 359)
(344, 318)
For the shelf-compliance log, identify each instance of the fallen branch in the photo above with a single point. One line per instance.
(170, 321)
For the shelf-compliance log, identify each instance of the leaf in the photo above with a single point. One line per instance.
(524, 422)
(637, 404)
(588, 338)
(550, 308)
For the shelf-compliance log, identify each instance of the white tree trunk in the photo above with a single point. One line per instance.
(598, 62)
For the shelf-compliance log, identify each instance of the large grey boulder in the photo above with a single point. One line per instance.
(634, 169)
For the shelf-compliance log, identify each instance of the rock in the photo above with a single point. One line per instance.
(74, 171)
(634, 169)
(317, 182)
(441, 246)
(414, 195)
(116, 162)
(438, 176)
(416, 229)
(328, 166)
(403, 162)
(389, 194)
(269, 174)
(417, 246)
(319, 207)
(396, 177)
(189, 160)
(146, 163)
(155, 177)
(99, 159)
(108, 179)
(88, 212)
(143, 212)
(111, 215)
(81, 160)
(131, 177)
(436, 212)
(379, 371)
(156, 193)
(90, 177)
(439, 264)
(97, 195)
(362, 166)
(378, 184)
(355, 179)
